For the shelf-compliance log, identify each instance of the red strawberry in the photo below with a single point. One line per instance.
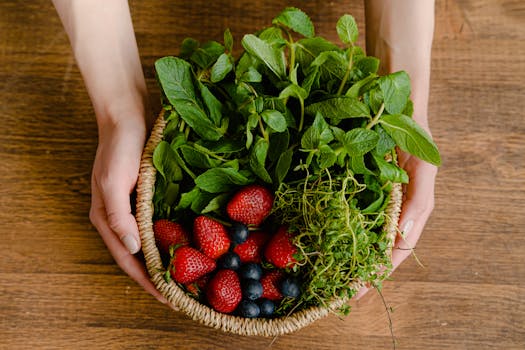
(251, 250)
(210, 236)
(224, 291)
(168, 233)
(188, 265)
(270, 283)
(280, 249)
(251, 205)
(198, 286)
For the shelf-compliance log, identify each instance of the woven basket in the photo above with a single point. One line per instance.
(202, 313)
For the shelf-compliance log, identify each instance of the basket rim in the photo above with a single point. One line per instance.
(193, 308)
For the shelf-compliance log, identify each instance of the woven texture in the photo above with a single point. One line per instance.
(202, 313)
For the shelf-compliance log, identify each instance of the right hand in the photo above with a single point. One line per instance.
(115, 174)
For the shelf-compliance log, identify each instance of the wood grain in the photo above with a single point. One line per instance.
(60, 288)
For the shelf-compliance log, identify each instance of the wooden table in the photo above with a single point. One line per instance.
(60, 288)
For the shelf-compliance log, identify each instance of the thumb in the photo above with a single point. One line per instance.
(119, 216)
(417, 207)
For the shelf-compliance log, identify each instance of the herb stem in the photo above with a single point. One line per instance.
(206, 151)
(347, 73)
(375, 120)
(348, 224)
(388, 311)
(301, 121)
(187, 130)
(291, 47)
(261, 127)
(183, 165)
(249, 87)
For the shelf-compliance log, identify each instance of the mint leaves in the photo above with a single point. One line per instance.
(347, 29)
(295, 20)
(293, 105)
(410, 137)
(396, 90)
(177, 83)
(272, 57)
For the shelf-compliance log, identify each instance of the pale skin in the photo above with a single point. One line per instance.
(104, 45)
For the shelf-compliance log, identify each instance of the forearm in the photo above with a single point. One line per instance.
(400, 34)
(103, 41)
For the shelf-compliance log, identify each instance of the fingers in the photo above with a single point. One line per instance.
(417, 207)
(362, 292)
(127, 262)
(120, 220)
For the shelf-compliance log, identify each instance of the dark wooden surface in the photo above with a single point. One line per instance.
(59, 287)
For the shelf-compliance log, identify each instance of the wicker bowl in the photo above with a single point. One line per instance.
(202, 313)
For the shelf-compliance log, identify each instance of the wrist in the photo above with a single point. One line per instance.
(117, 118)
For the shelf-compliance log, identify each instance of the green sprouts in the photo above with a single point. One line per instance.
(338, 244)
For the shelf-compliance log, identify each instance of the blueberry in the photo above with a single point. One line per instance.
(251, 271)
(249, 309)
(252, 289)
(230, 261)
(238, 232)
(267, 307)
(290, 287)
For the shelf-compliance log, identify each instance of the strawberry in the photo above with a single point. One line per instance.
(270, 283)
(251, 250)
(280, 249)
(169, 233)
(250, 205)
(195, 288)
(188, 265)
(224, 291)
(210, 236)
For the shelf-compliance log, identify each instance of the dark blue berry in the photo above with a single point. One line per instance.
(251, 271)
(230, 261)
(252, 289)
(249, 309)
(290, 287)
(267, 307)
(238, 232)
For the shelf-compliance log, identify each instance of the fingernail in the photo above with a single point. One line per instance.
(407, 227)
(130, 243)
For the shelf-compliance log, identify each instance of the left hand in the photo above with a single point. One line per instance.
(418, 203)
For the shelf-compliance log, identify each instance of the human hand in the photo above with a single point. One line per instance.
(115, 174)
(418, 203)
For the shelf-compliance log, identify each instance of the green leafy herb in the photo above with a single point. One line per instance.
(205, 55)
(221, 68)
(163, 161)
(360, 141)
(396, 90)
(411, 138)
(258, 160)
(347, 29)
(228, 40)
(296, 20)
(273, 58)
(311, 120)
(274, 119)
(219, 180)
(339, 108)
